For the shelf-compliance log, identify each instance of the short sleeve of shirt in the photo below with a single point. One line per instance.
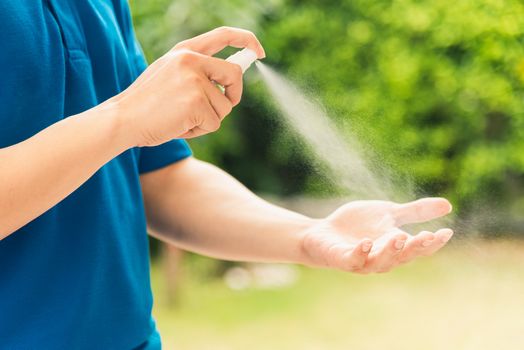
(153, 158)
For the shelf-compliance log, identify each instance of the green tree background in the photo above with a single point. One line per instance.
(435, 88)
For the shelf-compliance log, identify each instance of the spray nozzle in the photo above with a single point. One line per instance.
(244, 58)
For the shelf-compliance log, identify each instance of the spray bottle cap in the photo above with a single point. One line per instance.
(244, 58)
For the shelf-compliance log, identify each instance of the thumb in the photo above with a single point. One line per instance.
(421, 210)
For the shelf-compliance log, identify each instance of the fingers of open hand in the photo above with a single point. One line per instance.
(354, 259)
(400, 248)
(214, 41)
(424, 244)
(335, 252)
(421, 210)
(387, 257)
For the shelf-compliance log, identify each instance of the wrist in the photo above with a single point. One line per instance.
(301, 255)
(119, 127)
(107, 128)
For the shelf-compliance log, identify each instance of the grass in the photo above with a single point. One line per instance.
(470, 296)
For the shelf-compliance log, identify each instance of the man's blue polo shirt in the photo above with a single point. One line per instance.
(77, 277)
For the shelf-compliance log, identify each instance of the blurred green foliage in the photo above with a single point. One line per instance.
(435, 88)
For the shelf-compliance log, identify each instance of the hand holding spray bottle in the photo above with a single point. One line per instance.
(244, 58)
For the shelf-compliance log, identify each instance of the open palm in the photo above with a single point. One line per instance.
(365, 236)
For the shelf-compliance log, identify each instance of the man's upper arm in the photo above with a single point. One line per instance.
(163, 190)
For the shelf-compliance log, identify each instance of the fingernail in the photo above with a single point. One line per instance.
(399, 244)
(447, 237)
(366, 247)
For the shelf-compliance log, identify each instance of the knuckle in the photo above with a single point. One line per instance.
(195, 97)
(184, 58)
(193, 120)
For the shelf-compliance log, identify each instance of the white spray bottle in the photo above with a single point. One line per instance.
(244, 58)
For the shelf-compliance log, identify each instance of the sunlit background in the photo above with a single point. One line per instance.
(435, 90)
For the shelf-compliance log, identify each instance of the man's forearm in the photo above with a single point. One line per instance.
(201, 208)
(39, 172)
